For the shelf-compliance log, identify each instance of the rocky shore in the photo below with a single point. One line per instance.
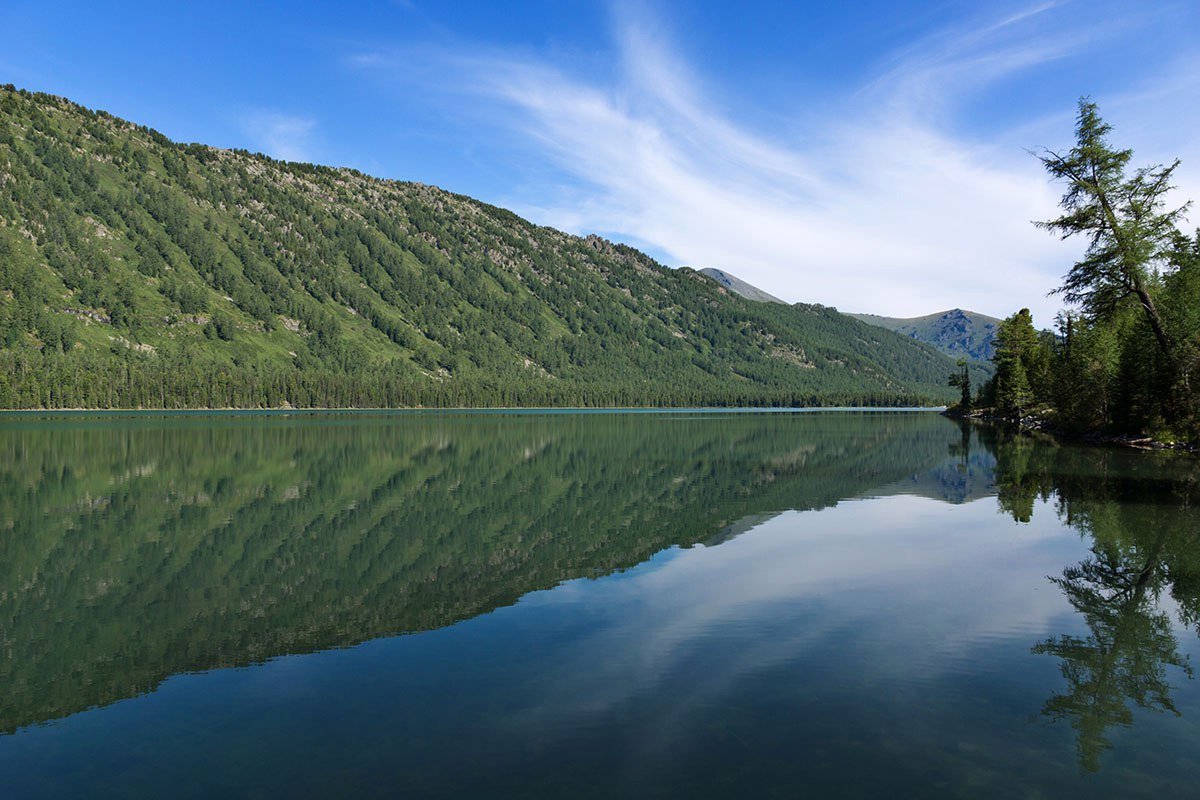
(1042, 422)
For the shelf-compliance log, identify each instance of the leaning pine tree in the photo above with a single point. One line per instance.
(1130, 229)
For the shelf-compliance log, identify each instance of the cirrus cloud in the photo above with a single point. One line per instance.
(883, 205)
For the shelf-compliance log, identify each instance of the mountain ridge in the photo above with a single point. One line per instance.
(741, 287)
(139, 272)
(958, 333)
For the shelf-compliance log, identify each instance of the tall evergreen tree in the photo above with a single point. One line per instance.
(1016, 353)
(961, 379)
(1130, 229)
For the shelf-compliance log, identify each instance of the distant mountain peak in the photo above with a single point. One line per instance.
(739, 286)
(958, 333)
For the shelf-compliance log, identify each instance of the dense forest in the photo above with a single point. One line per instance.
(137, 272)
(1125, 357)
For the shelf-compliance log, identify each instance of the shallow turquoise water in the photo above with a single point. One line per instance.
(852, 604)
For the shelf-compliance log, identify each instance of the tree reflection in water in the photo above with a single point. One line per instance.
(1139, 511)
(1126, 654)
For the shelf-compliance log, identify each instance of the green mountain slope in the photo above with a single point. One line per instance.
(138, 272)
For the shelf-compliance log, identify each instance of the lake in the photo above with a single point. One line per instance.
(673, 604)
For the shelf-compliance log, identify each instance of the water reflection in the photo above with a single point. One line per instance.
(1124, 658)
(1138, 513)
(138, 549)
(134, 550)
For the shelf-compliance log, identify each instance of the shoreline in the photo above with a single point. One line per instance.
(476, 409)
(1031, 424)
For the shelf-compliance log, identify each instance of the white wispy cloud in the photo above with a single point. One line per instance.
(884, 206)
(284, 136)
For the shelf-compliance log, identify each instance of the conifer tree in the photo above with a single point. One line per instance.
(961, 379)
(1130, 230)
(1016, 350)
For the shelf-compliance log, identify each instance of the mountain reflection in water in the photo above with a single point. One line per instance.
(134, 549)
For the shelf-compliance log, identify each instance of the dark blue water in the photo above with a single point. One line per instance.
(671, 605)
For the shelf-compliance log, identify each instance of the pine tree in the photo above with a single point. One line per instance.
(1123, 218)
(1016, 351)
(961, 379)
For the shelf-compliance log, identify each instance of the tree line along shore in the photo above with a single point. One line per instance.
(1123, 362)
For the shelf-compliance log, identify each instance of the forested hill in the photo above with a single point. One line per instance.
(137, 272)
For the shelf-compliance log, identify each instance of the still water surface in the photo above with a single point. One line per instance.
(591, 605)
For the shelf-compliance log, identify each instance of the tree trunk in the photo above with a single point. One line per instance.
(1164, 341)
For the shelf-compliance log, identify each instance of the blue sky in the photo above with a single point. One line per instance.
(870, 156)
